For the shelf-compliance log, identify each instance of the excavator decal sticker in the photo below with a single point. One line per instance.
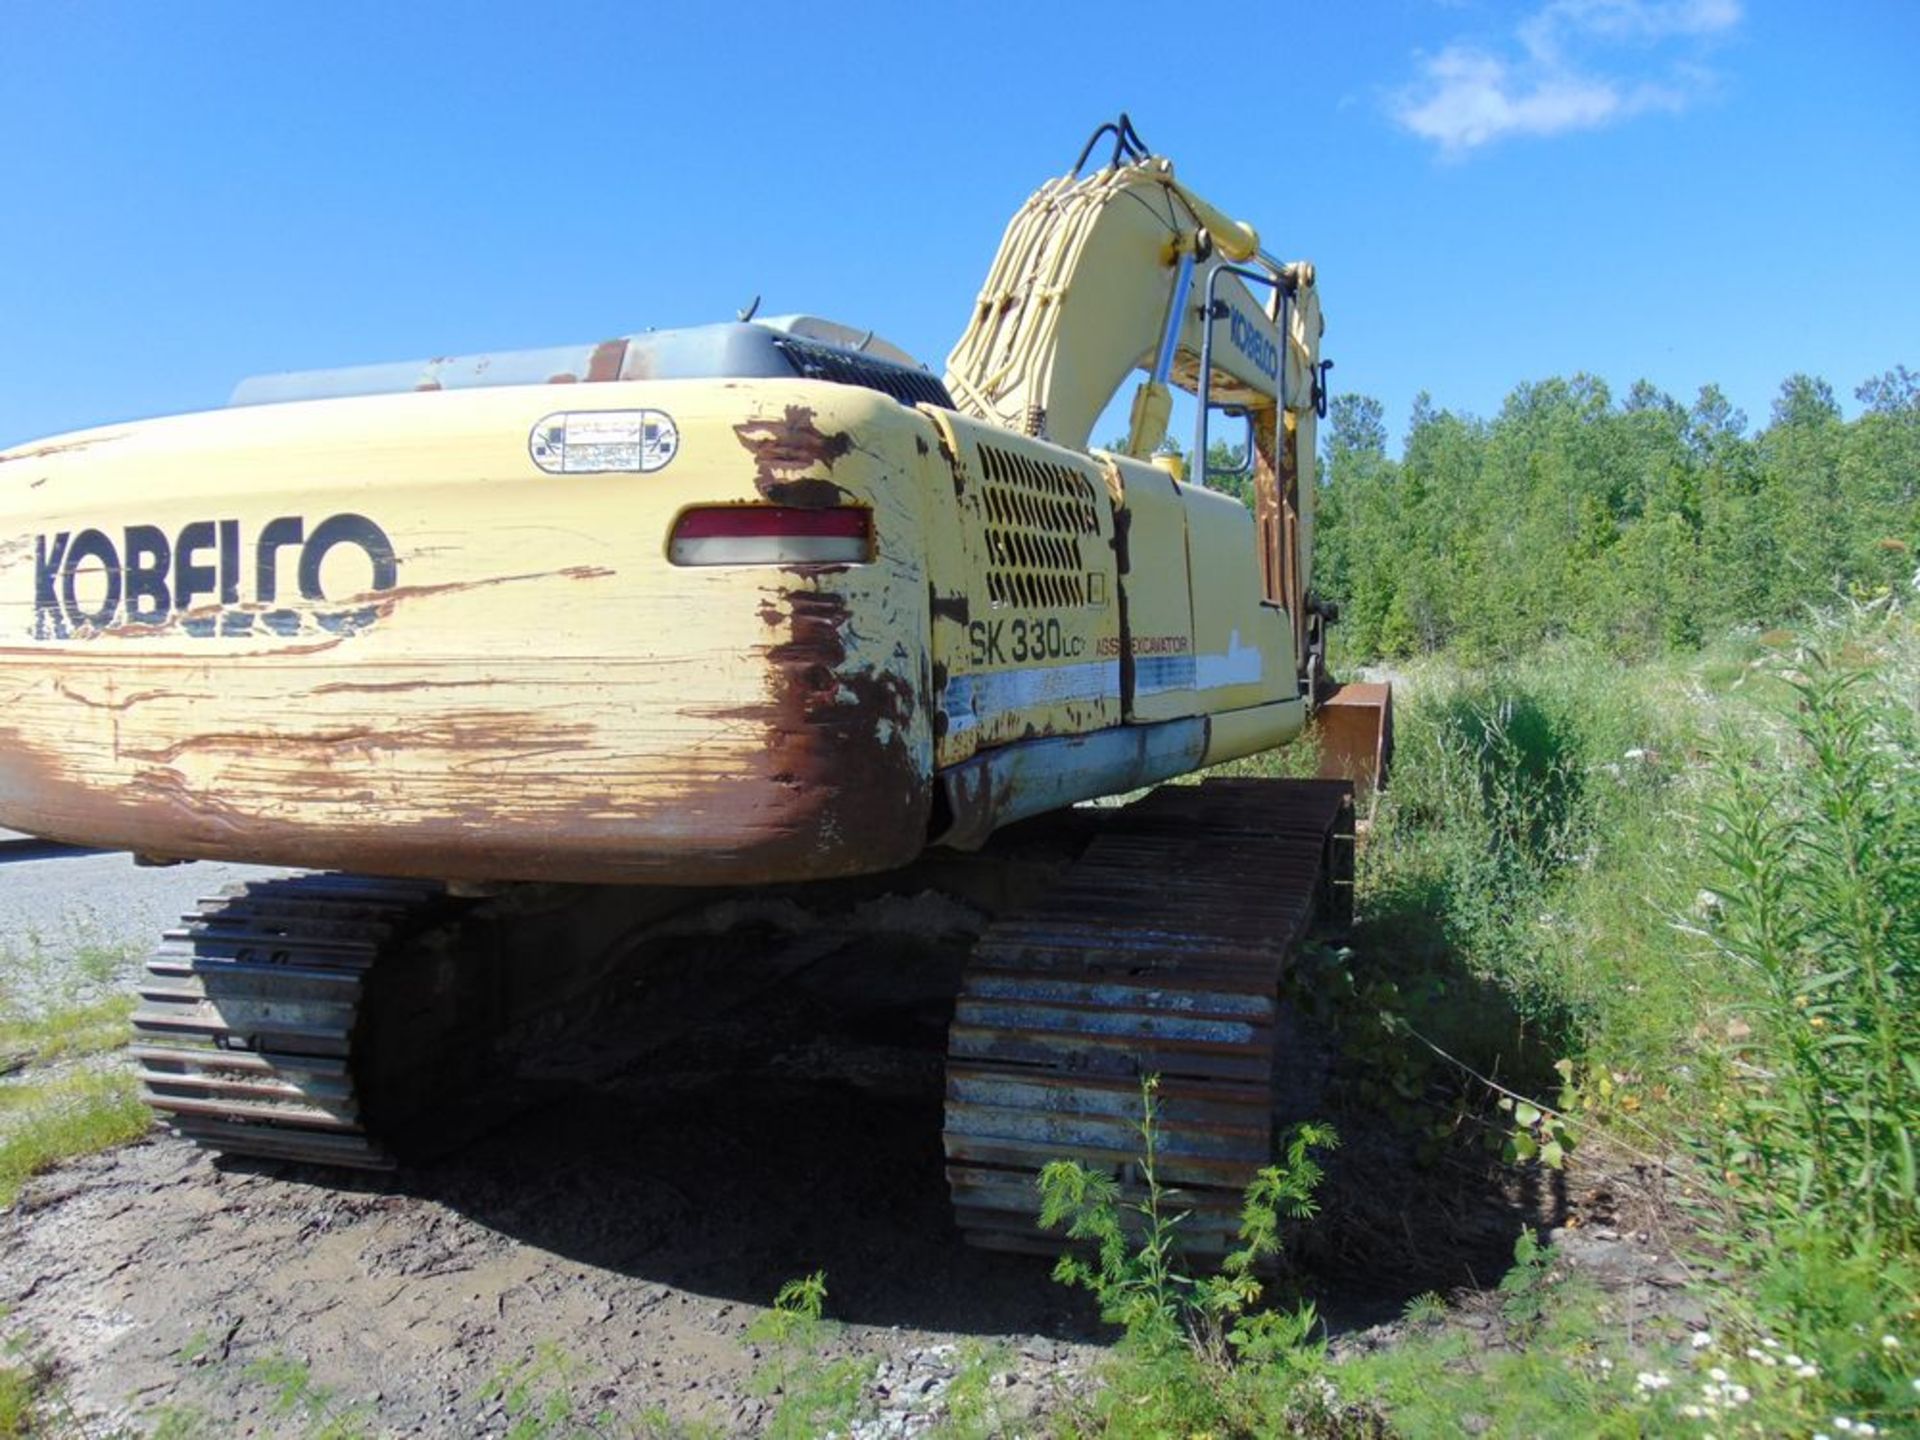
(600, 442)
(971, 699)
(1158, 674)
(86, 584)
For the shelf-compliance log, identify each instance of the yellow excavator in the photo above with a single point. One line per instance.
(513, 652)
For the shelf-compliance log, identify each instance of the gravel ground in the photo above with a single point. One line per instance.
(76, 904)
(635, 1226)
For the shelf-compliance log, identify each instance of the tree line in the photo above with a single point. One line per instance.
(1642, 525)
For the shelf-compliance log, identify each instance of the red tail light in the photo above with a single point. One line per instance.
(772, 535)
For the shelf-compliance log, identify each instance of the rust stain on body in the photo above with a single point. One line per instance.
(783, 450)
(838, 749)
(127, 703)
(396, 687)
(606, 360)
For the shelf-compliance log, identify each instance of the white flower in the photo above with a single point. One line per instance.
(1692, 1412)
(1700, 1339)
(1841, 1422)
(1807, 1372)
(1716, 1373)
(1889, 1342)
(1607, 1365)
(1770, 1343)
(1861, 1427)
(1795, 1361)
(1652, 1380)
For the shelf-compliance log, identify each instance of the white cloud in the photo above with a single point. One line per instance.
(1570, 65)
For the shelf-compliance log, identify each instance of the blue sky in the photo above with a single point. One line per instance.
(1687, 190)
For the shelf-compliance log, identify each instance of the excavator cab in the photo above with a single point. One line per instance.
(1263, 373)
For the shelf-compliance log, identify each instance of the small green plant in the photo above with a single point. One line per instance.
(1135, 1268)
(1523, 1289)
(179, 1422)
(1425, 1309)
(1538, 1133)
(18, 1387)
(1196, 1350)
(537, 1396)
(973, 1411)
(1820, 906)
(317, 1409)
(1810, 1148)
(33, 1399)
(815, 1395)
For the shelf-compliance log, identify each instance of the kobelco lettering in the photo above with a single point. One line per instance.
(199, 578)
(1250, 340)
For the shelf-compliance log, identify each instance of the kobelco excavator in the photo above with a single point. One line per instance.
(508, 650)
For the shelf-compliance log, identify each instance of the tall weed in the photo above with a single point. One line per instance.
(1816, 908)
(1819, 907)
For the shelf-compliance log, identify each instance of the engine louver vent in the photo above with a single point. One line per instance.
(1038, 513)
(823, 362)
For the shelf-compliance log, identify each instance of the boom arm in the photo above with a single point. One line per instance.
(1103, 275)
(1082, 293)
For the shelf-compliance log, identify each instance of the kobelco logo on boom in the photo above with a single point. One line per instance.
(1251, 341)
(197, 576)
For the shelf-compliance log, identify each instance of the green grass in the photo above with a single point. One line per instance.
(46, 1118)
(1676, 907)
(1565, 1374)
(43, 1124)
(32, 1401)
(71, 1030)
(1698, 886)
(17, 1391)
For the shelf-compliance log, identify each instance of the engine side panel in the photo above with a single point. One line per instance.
(1026, 635)
(1242, 646)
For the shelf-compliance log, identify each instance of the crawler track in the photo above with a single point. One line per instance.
(252, 1033)
(1161, 953)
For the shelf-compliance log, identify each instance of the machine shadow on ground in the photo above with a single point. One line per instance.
(799, 1131)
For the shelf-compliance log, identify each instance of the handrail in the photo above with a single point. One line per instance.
(1202, 394)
